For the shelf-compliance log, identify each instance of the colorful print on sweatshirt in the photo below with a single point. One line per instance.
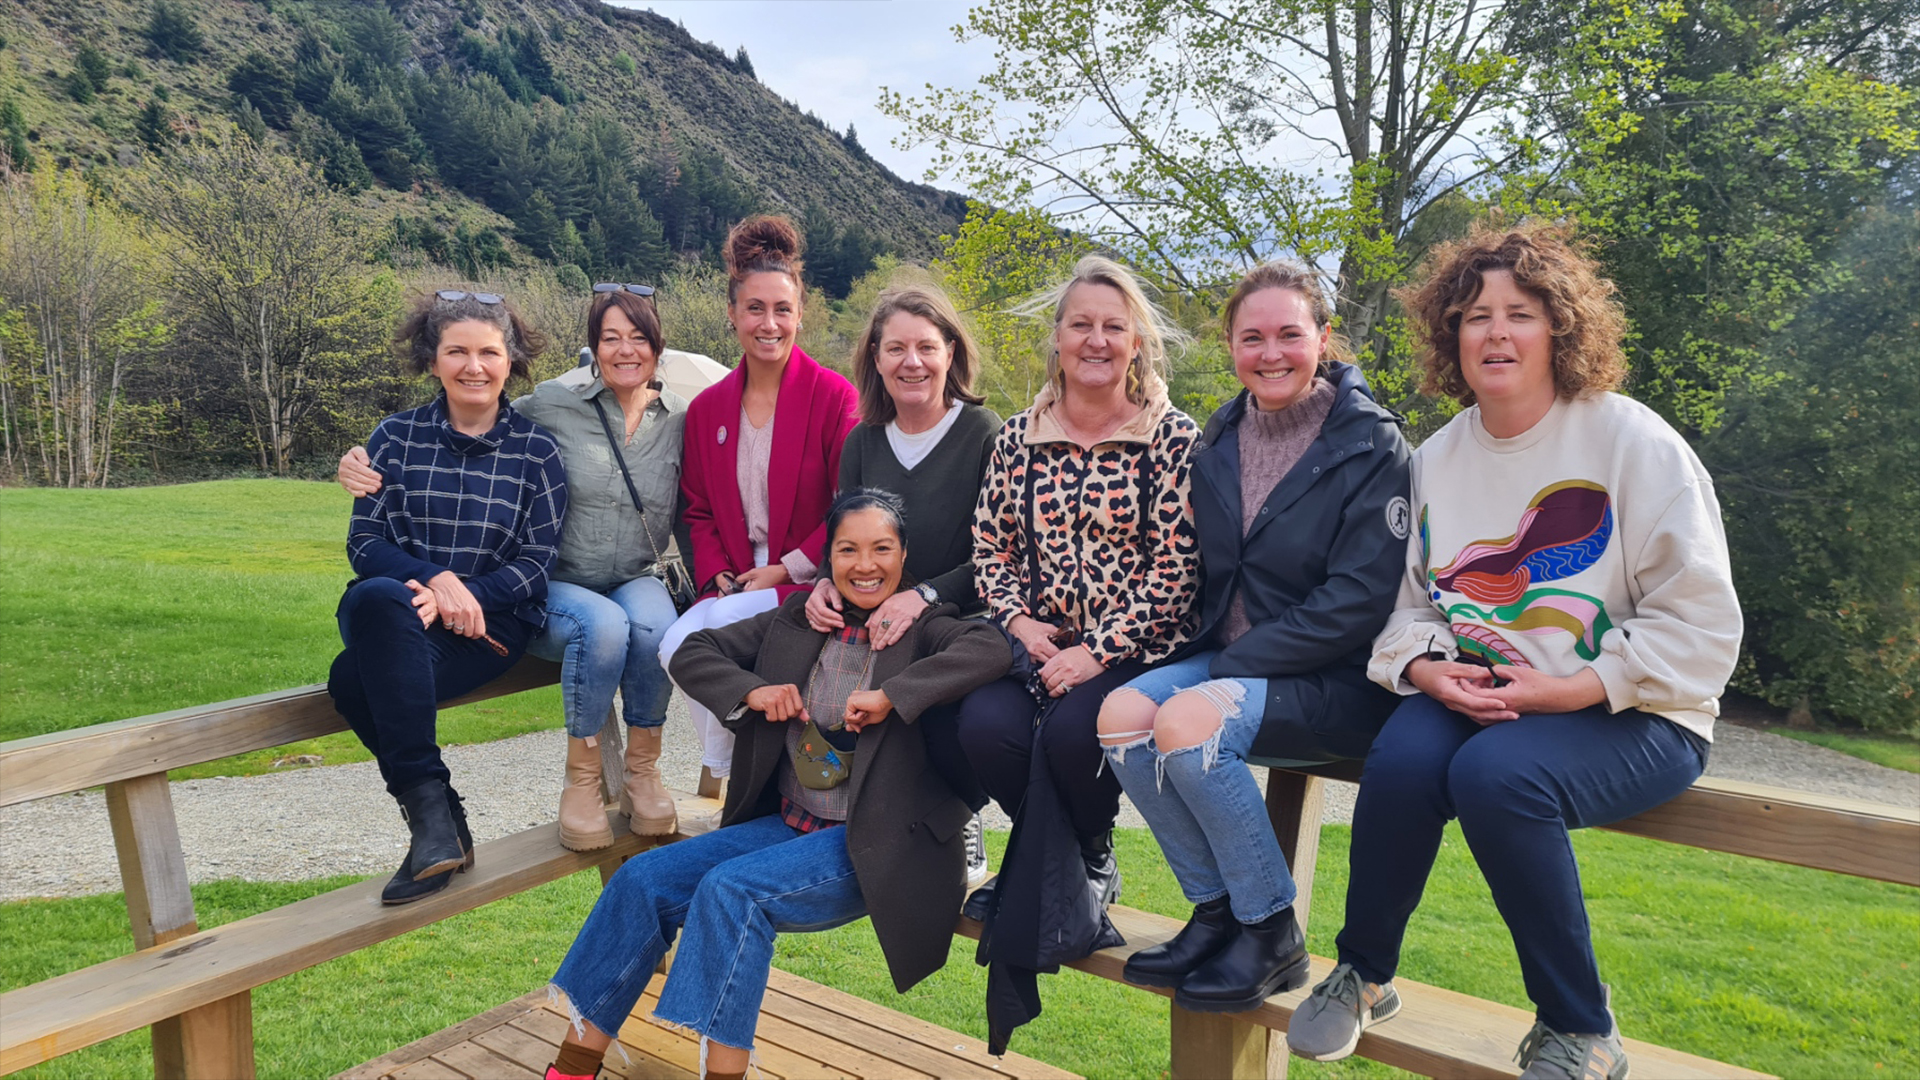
(1501, 586)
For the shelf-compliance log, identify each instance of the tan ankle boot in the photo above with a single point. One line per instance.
(583, 817)
(653, 812)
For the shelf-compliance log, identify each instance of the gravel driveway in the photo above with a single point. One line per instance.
(318, 821)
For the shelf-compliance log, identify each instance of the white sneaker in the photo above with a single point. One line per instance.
(974, 835)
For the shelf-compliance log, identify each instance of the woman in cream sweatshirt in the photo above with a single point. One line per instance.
(1564, 629)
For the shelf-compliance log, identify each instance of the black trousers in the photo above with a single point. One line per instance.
(389, 680)
(997, 734)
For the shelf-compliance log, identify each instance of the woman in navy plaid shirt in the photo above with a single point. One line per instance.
(451, 557)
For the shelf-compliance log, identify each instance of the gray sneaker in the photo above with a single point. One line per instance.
(1327, 1026)
(976, 840)
(1546, 1054)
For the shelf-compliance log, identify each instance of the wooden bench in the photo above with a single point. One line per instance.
(1442, 1033)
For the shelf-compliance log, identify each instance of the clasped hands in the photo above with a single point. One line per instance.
(1503, 692)
(1060, 669)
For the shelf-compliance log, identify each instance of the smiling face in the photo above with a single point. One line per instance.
(1096, 338)
(1506, 346)
(472, 363)
(868, 558)
(1276, 347)
(765, 312)
(625, 355)
(913, 359)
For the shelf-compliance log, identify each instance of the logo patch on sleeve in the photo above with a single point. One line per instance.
(1399, 517)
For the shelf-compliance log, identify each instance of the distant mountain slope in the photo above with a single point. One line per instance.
(600, 136)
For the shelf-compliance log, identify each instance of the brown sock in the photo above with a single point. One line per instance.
(577, 1060)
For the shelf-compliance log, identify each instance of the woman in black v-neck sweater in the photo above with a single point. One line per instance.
(940, 493)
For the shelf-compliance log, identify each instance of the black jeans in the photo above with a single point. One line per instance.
(389, 680)
(997, 734)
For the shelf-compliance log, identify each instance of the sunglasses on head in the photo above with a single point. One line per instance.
(461, 294)
(616, 286)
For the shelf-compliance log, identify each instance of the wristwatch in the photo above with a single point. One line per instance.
(927, 593)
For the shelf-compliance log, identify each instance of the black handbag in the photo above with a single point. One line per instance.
(670, 569)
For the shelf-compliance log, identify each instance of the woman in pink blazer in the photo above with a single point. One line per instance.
(762, 456)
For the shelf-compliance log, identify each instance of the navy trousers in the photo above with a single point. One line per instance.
(392, 675)
(1517, 788)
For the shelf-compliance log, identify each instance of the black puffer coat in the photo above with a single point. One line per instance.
(1318, 571)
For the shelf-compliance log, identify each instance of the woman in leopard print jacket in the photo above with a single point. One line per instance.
(1084, 551)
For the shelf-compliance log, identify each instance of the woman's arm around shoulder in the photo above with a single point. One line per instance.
(373, 549)
(956, 657)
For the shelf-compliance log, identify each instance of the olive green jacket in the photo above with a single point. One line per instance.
(602, 544)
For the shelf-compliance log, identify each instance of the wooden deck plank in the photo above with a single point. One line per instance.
(861, 1061)
(900, 1025)
(440, 1040)
(428, 1069)
(785, 1060)
(907, 1050)
(482, 1063)
(522, 1048)
(1438, 1032)
(550, 1023)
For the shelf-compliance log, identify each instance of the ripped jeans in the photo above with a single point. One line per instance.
(1202, 802)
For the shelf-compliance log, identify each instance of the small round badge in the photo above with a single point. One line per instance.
(723, 436)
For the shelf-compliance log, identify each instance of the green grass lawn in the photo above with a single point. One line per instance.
(1893, 751)
(1791, 971)
(121, 603)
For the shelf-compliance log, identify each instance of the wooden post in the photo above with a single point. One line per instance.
(1295, 806)
(214, 1041)
(710, 786)
(1215, 1046)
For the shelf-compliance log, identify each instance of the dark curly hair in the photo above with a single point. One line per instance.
(1546, 260)
(764, 243)
(418, 338)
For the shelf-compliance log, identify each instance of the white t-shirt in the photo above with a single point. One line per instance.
(913, 449)
(1593, 539)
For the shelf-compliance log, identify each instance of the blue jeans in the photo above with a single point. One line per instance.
(1202, 802)
(731, 890)
(392, 675)
(605, 640)
(1517, 788)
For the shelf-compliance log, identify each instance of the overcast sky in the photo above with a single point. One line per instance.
(833, 56)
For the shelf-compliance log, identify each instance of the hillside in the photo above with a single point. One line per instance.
(564, 129)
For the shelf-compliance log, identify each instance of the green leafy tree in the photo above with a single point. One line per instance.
(268, 264)
(154, 125)
(79, 86)
(171, 32)
(1817, 473)
(94, 63)
(997, 259)
(250, 121)
(1198, 139)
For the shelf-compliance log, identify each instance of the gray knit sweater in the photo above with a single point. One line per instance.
(1270, 444)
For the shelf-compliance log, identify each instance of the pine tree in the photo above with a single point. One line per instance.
(173, 33)
(155, 126)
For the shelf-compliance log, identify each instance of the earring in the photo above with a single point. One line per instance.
(593, 368)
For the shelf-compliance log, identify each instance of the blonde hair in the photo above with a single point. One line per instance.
(876, 405)
(1155, 330)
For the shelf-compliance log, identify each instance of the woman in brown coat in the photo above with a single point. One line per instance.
(833, 812)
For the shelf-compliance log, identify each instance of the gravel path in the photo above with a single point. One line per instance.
(314, 822)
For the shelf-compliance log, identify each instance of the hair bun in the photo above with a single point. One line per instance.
(763, 242)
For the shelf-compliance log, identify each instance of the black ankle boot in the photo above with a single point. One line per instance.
(1103, 872)
(1263, 959)
(436, 841)
(403, 889)
(1168, 964)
